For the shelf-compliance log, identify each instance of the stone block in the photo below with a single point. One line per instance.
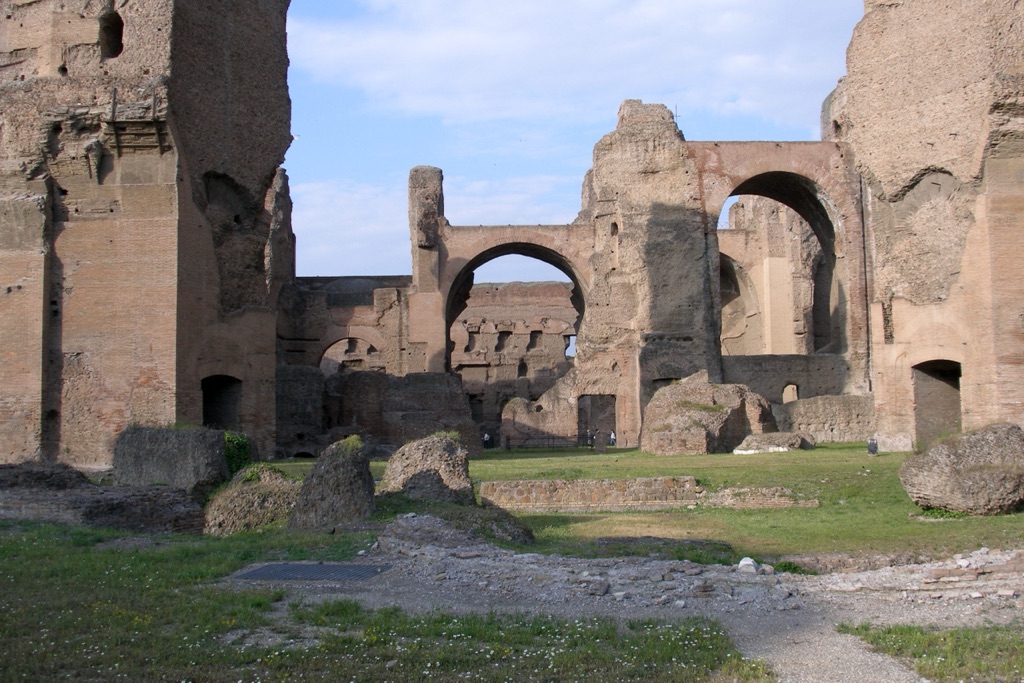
(191, 459)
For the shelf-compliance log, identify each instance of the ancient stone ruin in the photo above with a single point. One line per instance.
(147, 260)
(979, 472)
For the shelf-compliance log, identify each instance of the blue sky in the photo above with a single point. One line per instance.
(510, 98)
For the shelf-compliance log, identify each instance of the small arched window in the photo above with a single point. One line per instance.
(111, 35)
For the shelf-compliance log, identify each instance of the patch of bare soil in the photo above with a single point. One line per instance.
(787, 620)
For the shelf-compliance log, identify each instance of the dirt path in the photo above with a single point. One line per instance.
(787, 620)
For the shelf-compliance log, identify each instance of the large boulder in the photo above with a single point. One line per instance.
(258, 495)
(339, 490)
(192, 459)
(435, 468)
(695, 416)
(980, 472)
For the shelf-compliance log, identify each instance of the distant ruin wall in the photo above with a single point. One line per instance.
(814, 375)
(829, 419)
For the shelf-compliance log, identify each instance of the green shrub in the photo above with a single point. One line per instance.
(349, 445)
(237, 451)
(253, 472)
(453, 435)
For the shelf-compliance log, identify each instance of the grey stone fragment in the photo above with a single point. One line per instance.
(338, 491)
(697, 416)
(189, 459)
(435, 468)
(980, 472)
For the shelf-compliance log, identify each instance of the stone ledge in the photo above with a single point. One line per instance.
(612, 495)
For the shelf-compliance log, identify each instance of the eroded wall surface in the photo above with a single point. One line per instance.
(511, 342)
(643, 259)
(132, 182)
(931, 106)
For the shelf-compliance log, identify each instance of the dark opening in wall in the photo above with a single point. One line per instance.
(221, 396)
(937, 406)
(111, 35)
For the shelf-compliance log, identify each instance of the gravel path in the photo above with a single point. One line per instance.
(787, 620)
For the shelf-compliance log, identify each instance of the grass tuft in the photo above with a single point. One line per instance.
(993, 653)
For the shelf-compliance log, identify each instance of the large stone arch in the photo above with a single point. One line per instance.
(445, 257)
(461, 280)
(817, 182)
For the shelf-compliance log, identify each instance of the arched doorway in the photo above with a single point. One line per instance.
(513, 316)
(222, 395)
(778, 229)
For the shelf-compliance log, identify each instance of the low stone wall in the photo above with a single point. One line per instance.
(829, 419)
(656, 493)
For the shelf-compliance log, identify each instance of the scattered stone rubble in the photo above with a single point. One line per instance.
(58, 493)
(435, 566)
(777, 442)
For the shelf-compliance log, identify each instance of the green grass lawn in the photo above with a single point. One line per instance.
(84, 604)
(863, 507)
(994, 654)
(78, 604)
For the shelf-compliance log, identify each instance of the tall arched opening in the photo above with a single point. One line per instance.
(783, 308)
(512, 330)
(781, 232)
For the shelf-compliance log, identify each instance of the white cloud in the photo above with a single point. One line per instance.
(344, 228)
(465, 60)
(525, 86)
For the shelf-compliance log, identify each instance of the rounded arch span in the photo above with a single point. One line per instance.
(799, 193)
(828, 317)
(462, 281)
(353, 350)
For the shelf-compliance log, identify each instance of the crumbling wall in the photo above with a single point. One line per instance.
(773, 254)
(120, 126)
(230, 114)
(930, 104)
(89, 175)
(511, 342)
